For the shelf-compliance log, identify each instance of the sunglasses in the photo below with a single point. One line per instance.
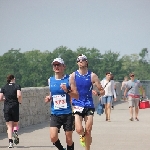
(83, 59)
(56, 65)
(132, 76)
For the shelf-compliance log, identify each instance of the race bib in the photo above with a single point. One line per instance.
(77, 109)
(59, 101)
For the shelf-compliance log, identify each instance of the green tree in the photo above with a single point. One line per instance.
(144, 65)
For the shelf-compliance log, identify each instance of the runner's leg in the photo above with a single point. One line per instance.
(78, 124)
(68, 128)
(55, 124)
(79, 128)
(15, 133)
(70, 143)
(15, 126)
(53, 134)
(54, 138)
(88, 126)
(9, 129)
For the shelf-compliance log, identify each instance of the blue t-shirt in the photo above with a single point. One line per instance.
(84, 88)
(60, 103)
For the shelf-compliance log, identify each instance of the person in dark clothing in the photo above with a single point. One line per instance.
(11, 95)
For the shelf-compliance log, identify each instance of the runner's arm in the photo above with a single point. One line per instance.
(95, 80)
(48, 98)
(73, 92)
(19, 96)
(2, 95)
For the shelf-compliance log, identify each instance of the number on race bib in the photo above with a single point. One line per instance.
(77, 109)
(59, 101)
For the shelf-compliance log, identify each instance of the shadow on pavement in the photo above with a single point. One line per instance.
(119, 102)
(29, 146)
(27, 129)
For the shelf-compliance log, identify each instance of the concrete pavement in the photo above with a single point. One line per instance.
(119, 134)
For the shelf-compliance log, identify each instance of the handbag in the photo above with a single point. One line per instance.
(100, 108)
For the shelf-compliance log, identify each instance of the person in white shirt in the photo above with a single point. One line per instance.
(108, 86)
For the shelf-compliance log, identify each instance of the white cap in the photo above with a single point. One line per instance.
(82, 57)
(60, 60)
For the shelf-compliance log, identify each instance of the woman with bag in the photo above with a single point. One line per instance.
(108, 86)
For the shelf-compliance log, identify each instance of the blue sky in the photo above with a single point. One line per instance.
(118, 25)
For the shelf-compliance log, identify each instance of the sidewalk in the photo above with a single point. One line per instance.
(119, 134)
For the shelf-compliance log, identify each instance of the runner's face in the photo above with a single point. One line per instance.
(82, 63)
(58, 67)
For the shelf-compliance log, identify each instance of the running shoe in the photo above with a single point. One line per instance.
(136, 119)
(82, 140)
(11, 145)
(16, 139)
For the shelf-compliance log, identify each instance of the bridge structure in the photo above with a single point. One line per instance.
(119, 134)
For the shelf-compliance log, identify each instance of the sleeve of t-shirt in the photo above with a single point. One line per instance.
(127, 85)
(2, 90)
(18, 87)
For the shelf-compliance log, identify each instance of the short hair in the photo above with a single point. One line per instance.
(108, 73)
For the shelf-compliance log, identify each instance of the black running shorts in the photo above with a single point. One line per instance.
(11, 113)
(86, 112)
(65, 120)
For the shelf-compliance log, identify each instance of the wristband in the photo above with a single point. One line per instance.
(68, 91)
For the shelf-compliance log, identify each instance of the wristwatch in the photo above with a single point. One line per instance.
(68, 91)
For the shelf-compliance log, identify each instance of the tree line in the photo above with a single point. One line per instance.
(33, 68)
